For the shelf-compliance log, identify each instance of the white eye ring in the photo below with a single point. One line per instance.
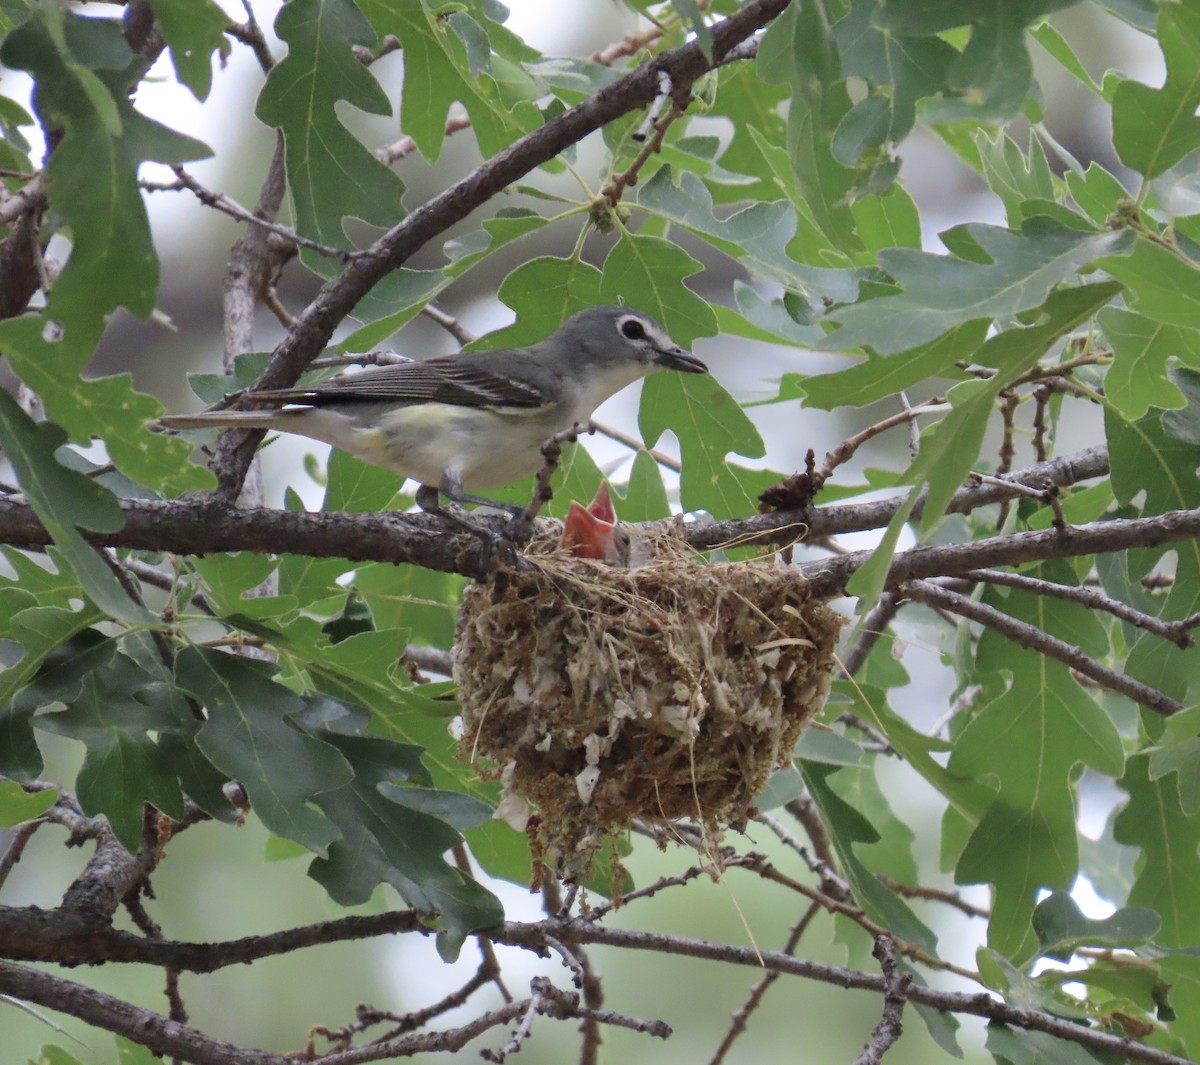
(632, 329)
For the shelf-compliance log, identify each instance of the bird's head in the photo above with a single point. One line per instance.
(611, 336)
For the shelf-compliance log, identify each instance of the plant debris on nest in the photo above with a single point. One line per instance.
(601, 694)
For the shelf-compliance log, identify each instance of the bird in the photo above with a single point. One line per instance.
(594, 532)
(458, 424)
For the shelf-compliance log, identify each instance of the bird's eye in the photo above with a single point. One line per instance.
(632, 329)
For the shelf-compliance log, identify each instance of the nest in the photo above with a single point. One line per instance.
(672, 689)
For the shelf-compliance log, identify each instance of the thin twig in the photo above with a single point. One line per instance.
(979, 1004)
(1041, 397)
(896, 984)
(678, 880)
(1035, 640)
(873, 627)
(449, 323)
(250, 34)
(221, 202)
(29, 199)
(612, 192)
(406, 145)
(1175, 631)
(542, 491)
(631, 442)
(759, 865)
(16, 847)
(844, 451)
(742, 1015)
(950, 898)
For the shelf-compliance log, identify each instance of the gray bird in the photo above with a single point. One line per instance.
(473, 421)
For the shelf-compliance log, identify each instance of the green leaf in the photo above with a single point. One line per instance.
(1155, 128)
(951, 447)
(1062, 928)
(645, 497)
(649, 273)
(1096, 191)
(248, 737)
(437, 73)
(18, 805)
(1011, 1047)
(890, 221)
(1057, 47)
(828, 748)
(395, 834)
(544, 292)
(193, 30)
(898, 69)
(1148, 459)
(1169, 874)
(1013, 175)
(509, 224)
(420, 601)
(880, 377)
(752, 107)
(112, 706)
(1181, 974)
(1027, 840)
(993, 75)
(42, 632)
(758, 236)
(942, 291)
(1137, 379)
(799, 50)
(693, 18)
(53, 1055)
(66, 501)
(848, 830)
(331, 175)
(395, 301)
(1178, 751)
(82, 85)
(1162, 284)
(131, 1053)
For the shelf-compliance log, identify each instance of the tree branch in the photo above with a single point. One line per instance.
(896, 984)
(782, 527)
(206, 526)
(978, 1004)
(1035, 640)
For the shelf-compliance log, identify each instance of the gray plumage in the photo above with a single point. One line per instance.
(476, 420)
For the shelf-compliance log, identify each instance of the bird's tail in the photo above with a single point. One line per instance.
(226, 419)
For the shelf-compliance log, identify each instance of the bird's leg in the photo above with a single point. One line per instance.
(451, 487)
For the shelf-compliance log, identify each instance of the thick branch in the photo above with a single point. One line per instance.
(783, 527)
(979, 1005)
(107, 944)
(829, 576)
(152, 1030)
(205, 526)
(77, 938)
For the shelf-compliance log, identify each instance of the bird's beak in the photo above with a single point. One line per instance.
(678, 359)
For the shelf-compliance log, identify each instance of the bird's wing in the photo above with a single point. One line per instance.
(456, 380)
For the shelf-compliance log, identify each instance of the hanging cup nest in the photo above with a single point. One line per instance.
(668, 690)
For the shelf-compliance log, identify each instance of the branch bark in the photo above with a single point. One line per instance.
(205, 525)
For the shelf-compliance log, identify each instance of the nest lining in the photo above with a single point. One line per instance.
(669, 690)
